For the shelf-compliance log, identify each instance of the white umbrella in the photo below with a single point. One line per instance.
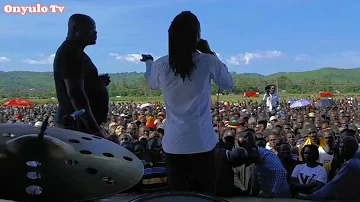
(147, 105)
(300, 103)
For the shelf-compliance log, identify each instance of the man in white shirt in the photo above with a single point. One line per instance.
(271, 99)
(185, 76)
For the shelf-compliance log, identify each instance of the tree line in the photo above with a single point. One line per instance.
(138, 88)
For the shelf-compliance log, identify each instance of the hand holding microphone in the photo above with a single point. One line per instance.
(203, 47)
(146, 57)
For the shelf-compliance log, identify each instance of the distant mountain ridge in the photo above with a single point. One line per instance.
(336, 75)
(27, 80)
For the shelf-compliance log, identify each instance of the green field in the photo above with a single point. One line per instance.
(221, 98)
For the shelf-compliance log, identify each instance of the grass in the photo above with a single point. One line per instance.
(235, 98)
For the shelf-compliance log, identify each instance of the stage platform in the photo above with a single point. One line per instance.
(128, 197)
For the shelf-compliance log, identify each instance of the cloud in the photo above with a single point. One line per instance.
(47, 61)
(4, 59)
(132, 58)
(246, 57)
(302, 57)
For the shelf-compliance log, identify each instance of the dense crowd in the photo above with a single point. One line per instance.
(302, 151)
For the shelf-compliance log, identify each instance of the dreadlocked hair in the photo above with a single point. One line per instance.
(183, 38)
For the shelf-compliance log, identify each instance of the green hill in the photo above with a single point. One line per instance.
(25, 81)
(44, 81)
(334, 74)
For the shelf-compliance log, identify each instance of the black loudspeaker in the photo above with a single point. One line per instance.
(177, 197)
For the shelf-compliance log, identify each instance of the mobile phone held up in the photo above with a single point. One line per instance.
(146, 57)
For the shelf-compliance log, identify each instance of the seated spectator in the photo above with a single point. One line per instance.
(113, 138)
(228, 140)
(125, 138)
(326, 152)
(310, 132)
(144, 132)
(271, 174)
(345, 185)
(155, 176)
(278, 142)
(120, 130)
(129, 146)
(286, 158)
(226, 161)
(290, 138)
(160, 129)
(333, 167)
(140, 150)
(310, 176)
(302, 137)
(112, 128)
(260, 141)
(155, 134)
(272, 141)
(245, 177)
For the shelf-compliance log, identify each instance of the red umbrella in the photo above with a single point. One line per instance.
(18, 102)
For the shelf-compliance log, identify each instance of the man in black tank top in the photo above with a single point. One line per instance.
(78, 85)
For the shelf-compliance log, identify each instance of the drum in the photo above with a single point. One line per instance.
(62, 165)
(181, 196)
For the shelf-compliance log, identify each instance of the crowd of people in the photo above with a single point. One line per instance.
(303, 152)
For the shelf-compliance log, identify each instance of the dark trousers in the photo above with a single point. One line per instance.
(192, 172)
(78, 126)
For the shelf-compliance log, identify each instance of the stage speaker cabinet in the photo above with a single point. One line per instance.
(177, 197)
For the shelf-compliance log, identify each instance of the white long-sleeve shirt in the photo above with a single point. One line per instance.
(188, 127)
(272, 100)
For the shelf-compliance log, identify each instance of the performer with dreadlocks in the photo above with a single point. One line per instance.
(185, 76)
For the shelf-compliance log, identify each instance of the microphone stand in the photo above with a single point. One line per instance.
(69, 120)
(219, 108)
(44, 126)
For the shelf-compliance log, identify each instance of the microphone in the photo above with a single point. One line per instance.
(77, 113)
(69, 120)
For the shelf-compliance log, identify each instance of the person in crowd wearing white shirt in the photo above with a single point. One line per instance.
(345, 185)
(310, 176)
(271, 99)
(184, 76)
